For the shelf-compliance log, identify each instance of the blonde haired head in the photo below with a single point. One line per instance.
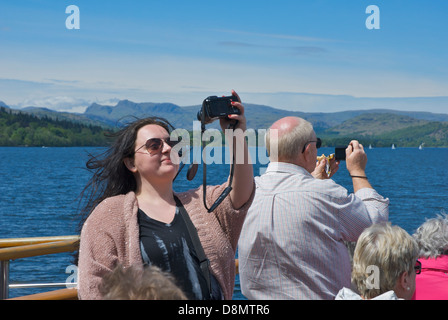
(391, 250)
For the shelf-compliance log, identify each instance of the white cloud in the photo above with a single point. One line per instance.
(64, 103)
(60, 103)
(277, 36)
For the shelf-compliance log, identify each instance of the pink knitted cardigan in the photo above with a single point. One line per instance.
(110, 236)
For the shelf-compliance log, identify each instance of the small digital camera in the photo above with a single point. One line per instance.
(217, 107)
(339, 152)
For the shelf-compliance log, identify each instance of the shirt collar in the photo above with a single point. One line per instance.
(441, 263)
(286, 167)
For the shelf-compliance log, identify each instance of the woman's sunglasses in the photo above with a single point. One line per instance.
(154, 145)
(418, 267)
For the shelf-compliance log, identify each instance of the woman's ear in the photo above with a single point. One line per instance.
(404, 285)
(129, 163)
(404, 280)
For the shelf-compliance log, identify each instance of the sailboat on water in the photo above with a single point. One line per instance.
(420, 147)
(393, 146)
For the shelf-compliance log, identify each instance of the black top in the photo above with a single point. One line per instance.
(169, 247)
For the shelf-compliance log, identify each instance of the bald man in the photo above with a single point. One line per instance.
(292, 242)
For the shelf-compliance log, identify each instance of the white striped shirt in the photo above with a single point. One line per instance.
(292, 242)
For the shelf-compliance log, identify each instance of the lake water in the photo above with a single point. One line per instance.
(39, 192)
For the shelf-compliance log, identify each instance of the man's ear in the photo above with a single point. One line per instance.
(307, 154)
(129, 163)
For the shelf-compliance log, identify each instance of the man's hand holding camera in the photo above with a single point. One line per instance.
(356, 161)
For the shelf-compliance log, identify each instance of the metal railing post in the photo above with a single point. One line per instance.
(12, 249)
(4, 279)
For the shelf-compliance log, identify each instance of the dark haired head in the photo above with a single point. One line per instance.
(110, 175)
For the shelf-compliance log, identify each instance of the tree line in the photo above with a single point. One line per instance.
(23, 129)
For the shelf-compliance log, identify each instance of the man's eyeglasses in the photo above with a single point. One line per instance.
(418, 267)
(154, 145)
(318, 144)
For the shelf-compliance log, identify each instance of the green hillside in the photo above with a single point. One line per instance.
(371, 124)
(22, 129)
(383, 130)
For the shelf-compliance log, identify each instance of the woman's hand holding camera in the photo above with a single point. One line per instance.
(241, 118)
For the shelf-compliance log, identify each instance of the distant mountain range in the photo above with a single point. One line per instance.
(374, 125)
(258, 116)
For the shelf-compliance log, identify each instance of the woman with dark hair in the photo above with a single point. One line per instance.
(135, 217)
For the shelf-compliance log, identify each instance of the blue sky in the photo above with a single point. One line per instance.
(296, 55)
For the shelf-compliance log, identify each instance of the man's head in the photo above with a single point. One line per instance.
(295, 142)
